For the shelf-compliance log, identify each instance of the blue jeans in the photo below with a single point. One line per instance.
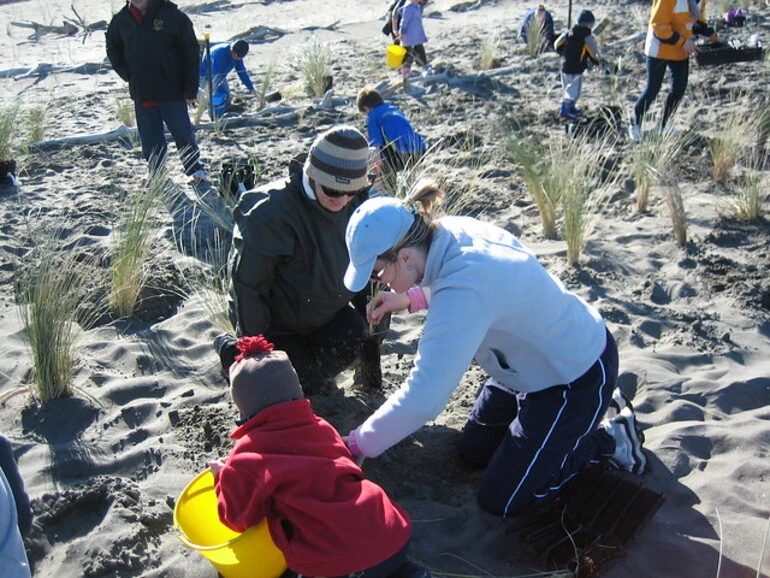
(656, 69)
(532, 444)
(150, 121)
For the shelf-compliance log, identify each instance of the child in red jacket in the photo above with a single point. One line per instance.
(293, 468)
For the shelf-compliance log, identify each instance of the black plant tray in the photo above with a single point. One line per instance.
(719, 53)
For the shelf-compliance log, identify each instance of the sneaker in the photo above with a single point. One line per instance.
(628, 436)
(200, 176)
(617, 403)
(634, 132)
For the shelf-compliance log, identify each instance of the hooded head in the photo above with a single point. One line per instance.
(261, 377)
(586, 18)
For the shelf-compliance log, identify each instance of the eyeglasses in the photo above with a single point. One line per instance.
(338, 194)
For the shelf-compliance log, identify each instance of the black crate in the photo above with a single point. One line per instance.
(718, 53)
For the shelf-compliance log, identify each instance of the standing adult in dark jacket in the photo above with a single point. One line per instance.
(151, 44)
(289, 256)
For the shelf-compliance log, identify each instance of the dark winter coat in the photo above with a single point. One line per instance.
(288, 259)
(158, 57)
(577, 47)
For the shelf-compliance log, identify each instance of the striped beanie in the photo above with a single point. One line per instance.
(339, 160)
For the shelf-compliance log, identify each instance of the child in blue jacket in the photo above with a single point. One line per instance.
(577, 48)
(390, 132)
(225, 57)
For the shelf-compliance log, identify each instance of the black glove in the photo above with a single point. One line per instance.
(702, 29)
(224, 345)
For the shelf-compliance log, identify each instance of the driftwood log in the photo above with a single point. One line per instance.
(69, 27)
(44, 69)
(278, 115)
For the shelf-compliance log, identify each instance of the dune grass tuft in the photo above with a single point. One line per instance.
(675, 204)
(536, 38)
(50, 289)
(133, 239)
(583, 163)
(544, 176)
(125, 112)
(489, 48)
(209, 287)
(9, 115)
(267, 83)
(35, 121)
(657, 152)
(314, 62)
(726, 147)
(747, 195)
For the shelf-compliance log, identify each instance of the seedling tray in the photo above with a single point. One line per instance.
(714, 54)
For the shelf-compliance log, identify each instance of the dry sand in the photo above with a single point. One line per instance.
(693, 325)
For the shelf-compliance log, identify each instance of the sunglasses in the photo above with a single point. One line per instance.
(338, 194)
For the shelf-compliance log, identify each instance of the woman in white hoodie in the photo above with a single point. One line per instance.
(551, 362)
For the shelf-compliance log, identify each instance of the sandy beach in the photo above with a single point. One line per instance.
(150, 408)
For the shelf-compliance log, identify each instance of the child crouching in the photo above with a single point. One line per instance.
(293, 468)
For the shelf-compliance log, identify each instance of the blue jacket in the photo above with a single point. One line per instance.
(385, 124)
(222, 62)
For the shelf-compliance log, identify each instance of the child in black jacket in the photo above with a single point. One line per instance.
(577, 48)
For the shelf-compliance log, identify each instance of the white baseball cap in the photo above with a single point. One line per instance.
(375, 227)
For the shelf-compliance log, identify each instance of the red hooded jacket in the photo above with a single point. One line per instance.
(292, 467)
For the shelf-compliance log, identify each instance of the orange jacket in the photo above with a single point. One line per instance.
(670, 26)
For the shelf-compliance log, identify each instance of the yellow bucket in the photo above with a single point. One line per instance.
(251, 554)
(394, 55)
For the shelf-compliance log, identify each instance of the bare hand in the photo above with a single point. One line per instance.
(690, 47)
(216, 465)
(358, 459)
(385, 302)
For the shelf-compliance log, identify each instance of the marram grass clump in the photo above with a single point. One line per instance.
(54, 307)
(134, 236)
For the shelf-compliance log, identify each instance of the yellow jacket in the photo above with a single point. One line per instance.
(671, 23)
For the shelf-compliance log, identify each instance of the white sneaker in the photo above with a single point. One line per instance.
(617, 404)
(629, 438)
(634, 132)
(199, 176)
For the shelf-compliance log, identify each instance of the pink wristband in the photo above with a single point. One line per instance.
(353, 444)
(417, 301)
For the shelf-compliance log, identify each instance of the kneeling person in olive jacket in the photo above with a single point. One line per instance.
(289, 257)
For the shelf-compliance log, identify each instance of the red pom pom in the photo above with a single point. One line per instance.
(252, 345)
